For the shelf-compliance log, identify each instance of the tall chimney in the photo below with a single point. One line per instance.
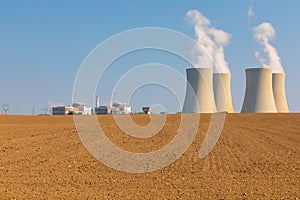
(259, 96)
(222, 92)
(97, 102)
(278, 80)
(199, 96)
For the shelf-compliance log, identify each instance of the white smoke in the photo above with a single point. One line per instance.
(250, 12)
(53, 104)
(263, 34)
(211, 42)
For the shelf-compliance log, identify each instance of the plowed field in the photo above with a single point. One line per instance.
(256, 157)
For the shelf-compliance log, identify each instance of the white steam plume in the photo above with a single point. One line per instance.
(211, 42)
(263, 33)
(53, 104)
(250, 12)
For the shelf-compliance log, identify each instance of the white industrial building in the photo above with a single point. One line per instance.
(114, 108)
(120, 108)
(76, 109)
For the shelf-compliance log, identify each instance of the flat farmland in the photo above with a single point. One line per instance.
(256, 157)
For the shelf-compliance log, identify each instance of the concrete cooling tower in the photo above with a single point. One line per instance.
(199, 92)
(278, 80)
(259, 96)
(222, 92)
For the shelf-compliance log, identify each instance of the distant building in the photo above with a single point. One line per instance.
(114, 108)
(120, 108)
(147, 110)
(59, 110)
(83, 109)
(101, 110)
(76, 109)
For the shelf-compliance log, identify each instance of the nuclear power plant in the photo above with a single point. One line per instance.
(278, 84)
(222, 92)
(199, 91)
(208, 92)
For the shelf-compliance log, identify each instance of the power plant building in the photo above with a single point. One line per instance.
(114, 108)
(75, 109)
(101, 110)
(64, 110)
(146, 110)
(120, 108)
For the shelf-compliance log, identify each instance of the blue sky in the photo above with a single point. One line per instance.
(43, 43)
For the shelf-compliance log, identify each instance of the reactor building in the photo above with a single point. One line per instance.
(75, 109)
(114, 108)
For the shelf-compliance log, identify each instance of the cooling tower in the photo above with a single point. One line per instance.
(199, 96)
(259, 93)
(278, 80)
(222, 92)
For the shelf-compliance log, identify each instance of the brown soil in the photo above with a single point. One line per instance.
(256, 157)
